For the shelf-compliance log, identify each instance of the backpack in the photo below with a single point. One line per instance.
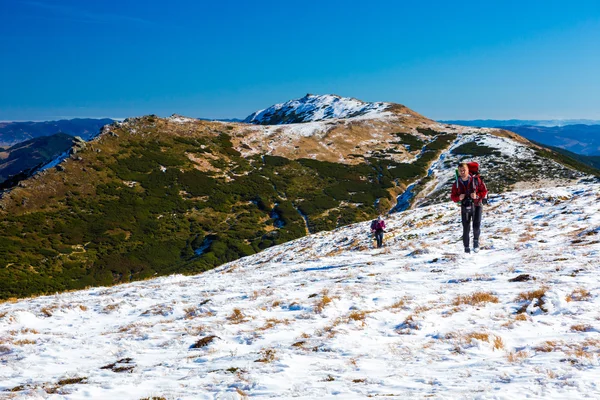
(474, 170)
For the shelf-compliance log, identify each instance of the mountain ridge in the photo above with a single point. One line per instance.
(156, 195)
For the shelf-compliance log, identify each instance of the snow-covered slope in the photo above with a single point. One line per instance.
(330, 316)
(312, 108)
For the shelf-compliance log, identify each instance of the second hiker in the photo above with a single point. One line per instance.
(377, 227)
(470, 190)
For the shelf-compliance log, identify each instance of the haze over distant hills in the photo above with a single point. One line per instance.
(22, 160)
(493, 123)
(15, 132)
(577, 136)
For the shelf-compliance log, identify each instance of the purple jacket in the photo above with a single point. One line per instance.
(378, 225)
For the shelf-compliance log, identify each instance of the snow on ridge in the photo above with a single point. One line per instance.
(328, 315)
(180, 119)
(312, 108)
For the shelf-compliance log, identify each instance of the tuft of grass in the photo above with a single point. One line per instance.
(111, 307)
(534, 294)
(548, 346)
(579, 294)
(203, 342)
(322, 302)
(272, 322)
(475, 299)
(521, 317)
(516, 357)
(267, 355)
(24, 342)
(401, 303)
(48, 311)
(71, 381)
(358, 316)
(237, 316)
(498, 343)
(190, 312)
(484, 337)
(581, 328)
(123, 365)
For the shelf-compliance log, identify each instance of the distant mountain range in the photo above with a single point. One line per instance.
(580, 138)
(493, 123)
(24, 159)
(15, 132)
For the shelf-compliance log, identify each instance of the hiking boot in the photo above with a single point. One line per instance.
(467, 250)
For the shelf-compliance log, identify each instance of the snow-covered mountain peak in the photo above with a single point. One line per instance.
(312, 108)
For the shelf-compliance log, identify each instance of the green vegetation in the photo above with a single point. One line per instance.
(152, 211)
(474, 149)
(409, 140)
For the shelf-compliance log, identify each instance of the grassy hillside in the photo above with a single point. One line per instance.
(153, 197)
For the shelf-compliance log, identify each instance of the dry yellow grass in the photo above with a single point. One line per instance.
(190, 312)
(475, 299)
(322, 302)
(534, 294)
(581, 328)
(516, 357)
(484, 337)
(521, 317)
(273, 322)
(548, 346)
(236, 316)
(398, 304)
(580, 352)
(525, 237)
(111, 307)
(498, 343)
(267, 355)
(579, 294)
(49, 310)
(21, 342)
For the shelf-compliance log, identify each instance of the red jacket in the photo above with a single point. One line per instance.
(377, 225)
(474, 185)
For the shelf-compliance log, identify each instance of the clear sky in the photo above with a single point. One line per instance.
(467, 59)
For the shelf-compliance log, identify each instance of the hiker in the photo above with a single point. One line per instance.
(470, 190)
(377, 227)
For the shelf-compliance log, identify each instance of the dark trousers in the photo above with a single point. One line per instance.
(466, 217)
(379, 237)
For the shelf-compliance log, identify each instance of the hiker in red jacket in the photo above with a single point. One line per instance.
(377, 227)
(470, 190)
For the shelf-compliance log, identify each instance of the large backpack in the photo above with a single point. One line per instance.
(474, 170)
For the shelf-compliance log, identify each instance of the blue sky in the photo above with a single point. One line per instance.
(535, 59)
